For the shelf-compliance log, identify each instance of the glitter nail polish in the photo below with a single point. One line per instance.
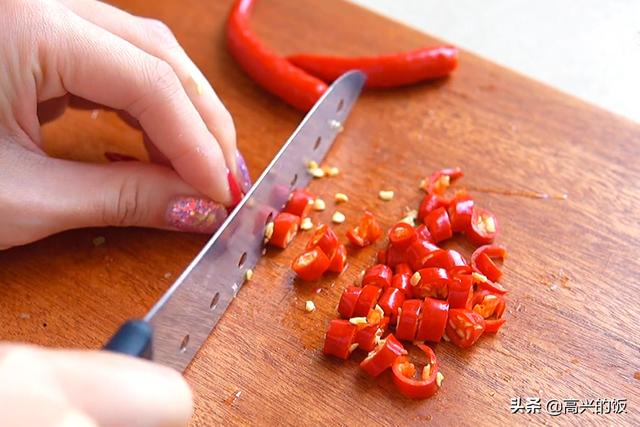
(244, 178)
(195, 215)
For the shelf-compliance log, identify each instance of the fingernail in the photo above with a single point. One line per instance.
(196, 215)
(117, 157)
(236, 194)
(244, 178)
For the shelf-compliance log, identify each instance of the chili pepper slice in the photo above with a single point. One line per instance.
(367, 232)
(340, 338)
(285, 228)
(430, 379)
(402, 281)
(377, 275)
(369, 336)
(418, 253)
(422, 233)
(430, 203)
(433, 320)
(481, 260)
(456, 259)
(299, 203)
(483, 228)
(464, 327)
(390, 301)
(381, 256)
(324, 238)
(439, 226)
(439, 181)
(482, 282)
(339, 260)
(408, 316)
(271, 71)
(396, 256)
(398, 69)
(403, 268)
(367, 300)
(348, 301)
(438, 258)
(401, 235)
(431, 282)
(460, 291)
(311, 265)
(491, 307)
(460, 213)
(382, 357)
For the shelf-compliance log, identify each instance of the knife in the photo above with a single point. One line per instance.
(179, 323)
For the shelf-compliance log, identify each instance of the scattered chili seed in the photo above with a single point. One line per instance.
(317, 173)
(306, 224)
(309, 306)
(338, 217)
(341, 198)
(319, 205)
(248, 275)
(386, 195)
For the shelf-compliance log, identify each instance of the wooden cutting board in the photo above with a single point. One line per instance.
(573, 317)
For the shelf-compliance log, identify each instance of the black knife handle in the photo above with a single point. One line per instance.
(133, 338)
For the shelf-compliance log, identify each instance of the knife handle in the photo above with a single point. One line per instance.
(133, 338)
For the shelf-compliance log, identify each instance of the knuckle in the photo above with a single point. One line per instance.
(160, 33)
(160, 83)
(123, 208)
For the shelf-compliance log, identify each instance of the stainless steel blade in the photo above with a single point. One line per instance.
(185, 316)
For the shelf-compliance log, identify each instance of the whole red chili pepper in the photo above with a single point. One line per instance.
(265, 67)
(397, 69)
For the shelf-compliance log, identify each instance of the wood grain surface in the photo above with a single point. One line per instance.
(573, 316)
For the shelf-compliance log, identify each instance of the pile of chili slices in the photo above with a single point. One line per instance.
(417, 292)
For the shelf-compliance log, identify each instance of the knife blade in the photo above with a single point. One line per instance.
(186, 314)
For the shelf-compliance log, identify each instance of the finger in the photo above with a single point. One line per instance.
(74, 195)
(156, 38)
(108, 70)
(112, 389)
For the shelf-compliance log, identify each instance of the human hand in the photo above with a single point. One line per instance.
(55, 53)
(65, 388)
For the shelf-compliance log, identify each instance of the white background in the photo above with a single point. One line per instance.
(588, 48)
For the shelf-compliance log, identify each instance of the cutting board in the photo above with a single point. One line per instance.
(573, 317)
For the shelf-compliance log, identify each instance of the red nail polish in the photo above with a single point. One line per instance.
(234, 188)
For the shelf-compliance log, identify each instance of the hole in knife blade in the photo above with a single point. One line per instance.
(184, 343)
(340, 105)
(242, 260)
(317, 143)
(214, 301)
(294, 180)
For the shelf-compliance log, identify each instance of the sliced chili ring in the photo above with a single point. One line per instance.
(299, 203)
(367, 300)
(311, 265)
(433, 320)
(439, 226)
(493, 325)
(396, 256)
(379, 275)
(430, 203)
(460, 291)
(390, 301)
(348, 301)
(324, 238)
(340, 338)
(402, 281)
(401, 235)
(369, 336)
(356, 238)
(439, 181)
(381, 256)
(464, 327)
(408, 317)
(482, 282)
(456, 259)
(382, 357)
(369, 223)
(339, 260)
(285, 228)
(403, 268)
(422, 233)
(483, 228)
(431, 282)
(460, 213)
(481, 260)
(430, 379)
(438, 258)
(491, 307)
(419, 252)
